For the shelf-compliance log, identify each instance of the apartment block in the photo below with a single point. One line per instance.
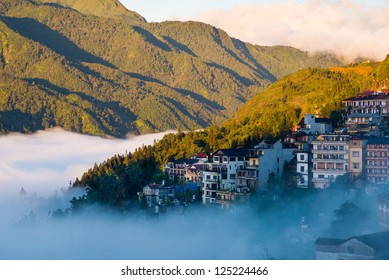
(329, 159)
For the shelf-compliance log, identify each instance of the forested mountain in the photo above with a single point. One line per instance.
(270, 114)
(94, 67)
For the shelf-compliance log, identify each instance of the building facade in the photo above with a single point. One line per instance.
(329, 159)
(313, 125)
(368, 102)
(220, 175)
(271, 160)
(357, 156)
(365, 124)
(377, 165)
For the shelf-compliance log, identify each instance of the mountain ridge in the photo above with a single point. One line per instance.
(111, 76)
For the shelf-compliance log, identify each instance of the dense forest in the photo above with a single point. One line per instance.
(94, 67)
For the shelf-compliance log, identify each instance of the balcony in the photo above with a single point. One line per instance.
(329, 160)
(330, 171)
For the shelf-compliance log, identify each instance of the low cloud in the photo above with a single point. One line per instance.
(48, 160)
(344, 27)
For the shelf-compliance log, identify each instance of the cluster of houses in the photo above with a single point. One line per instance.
(317, 153)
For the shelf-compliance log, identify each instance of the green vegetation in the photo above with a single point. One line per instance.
(116, 181)
(106, 8)
(114, 73)
(270, 114)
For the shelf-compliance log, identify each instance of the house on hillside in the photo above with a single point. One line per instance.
(184, 169)
(368, 102)
(151, 194)
(220, 174)
(373, 246)
(303, 157)
(365, 124)
(310, 124)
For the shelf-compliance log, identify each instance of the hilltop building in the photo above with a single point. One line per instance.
(368, 102)
(367, 113)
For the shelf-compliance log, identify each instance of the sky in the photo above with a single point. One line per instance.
(350, 28)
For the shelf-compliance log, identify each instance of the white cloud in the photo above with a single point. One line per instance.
(345, 27)
(48, 160)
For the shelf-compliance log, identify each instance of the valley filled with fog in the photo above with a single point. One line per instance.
(34, 226)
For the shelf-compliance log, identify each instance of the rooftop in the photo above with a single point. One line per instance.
(378, 141)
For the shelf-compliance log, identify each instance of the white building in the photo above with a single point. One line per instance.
(220, 175)
(303, 159)
(329, 159)
(311, 124)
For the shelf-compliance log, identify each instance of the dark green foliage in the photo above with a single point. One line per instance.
(117, 181)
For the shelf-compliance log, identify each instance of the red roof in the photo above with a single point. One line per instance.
(369, 95)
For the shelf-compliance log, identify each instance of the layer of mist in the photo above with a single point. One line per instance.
(48, 160)
(31, 230)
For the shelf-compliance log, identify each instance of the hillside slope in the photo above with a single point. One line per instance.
(116, 73)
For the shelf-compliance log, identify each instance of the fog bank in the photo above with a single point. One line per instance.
(48, 160)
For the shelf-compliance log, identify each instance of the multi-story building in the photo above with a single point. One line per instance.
(329, 159)
(303, 159)
(272, 157)
(247, 175)
(365, 124)
(357, 147)
(368, 102)
(220, 175)
(377, 155)
(184, 169)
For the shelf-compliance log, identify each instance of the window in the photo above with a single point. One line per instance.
(320, 176)
(302, 168)
(232, 158)
(232, 176)
(225, 159)
(355, 154)
(355, 165)
(216, 159)
(302, 157)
